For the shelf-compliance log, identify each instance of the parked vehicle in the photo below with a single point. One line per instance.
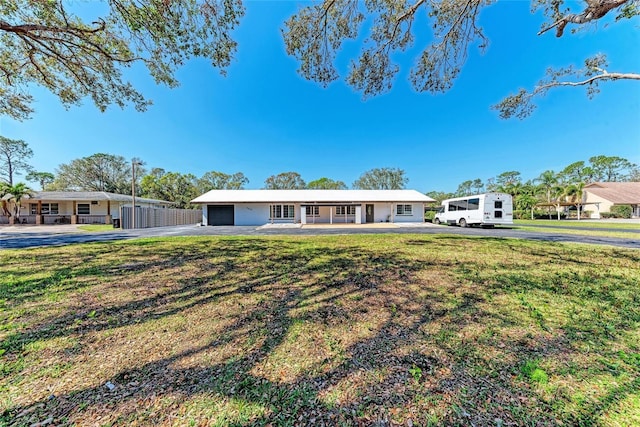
(486, 210)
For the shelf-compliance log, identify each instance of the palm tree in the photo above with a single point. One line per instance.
(15, 194)
(574, 192)
(547, 183)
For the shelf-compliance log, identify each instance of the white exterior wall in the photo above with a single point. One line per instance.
(381, 212)
(252, 214)
(417, 213)
(387, 211)
(605, 205)
(256, 214)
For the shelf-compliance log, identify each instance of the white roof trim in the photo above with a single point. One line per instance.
(311, 196)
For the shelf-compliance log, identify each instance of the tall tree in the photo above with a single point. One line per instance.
(464, 189)
(51, 44)
(326, 184)
(315, 34)
(507, 182)
(150, 184)
(526, 199)
(439, 196)
(547, 182)
(550, 187)
(285, 181)
(170, 186)
(382, 179)
(611, 168)
(477, 185)
(42, 178)
(577, 172)
(215, 180)
(574, 193)
(98, 172)
(14, 154)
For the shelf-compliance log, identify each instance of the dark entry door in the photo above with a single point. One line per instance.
(220, 215)
(369, 213)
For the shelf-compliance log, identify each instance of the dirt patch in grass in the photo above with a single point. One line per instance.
(340, 330)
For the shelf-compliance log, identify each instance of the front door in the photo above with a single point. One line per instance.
(369, 213)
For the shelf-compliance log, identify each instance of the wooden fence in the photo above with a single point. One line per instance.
(159, 217)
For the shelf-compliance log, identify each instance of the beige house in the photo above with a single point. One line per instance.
(77, 207)
(603, 195)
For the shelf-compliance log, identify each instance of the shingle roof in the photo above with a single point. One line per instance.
(616, 192)
(311, 196)
(91, 195)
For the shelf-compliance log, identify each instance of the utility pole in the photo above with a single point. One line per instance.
(134, 163)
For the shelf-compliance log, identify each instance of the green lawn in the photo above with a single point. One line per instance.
(582, 223)
(596, 229)
(341, 330)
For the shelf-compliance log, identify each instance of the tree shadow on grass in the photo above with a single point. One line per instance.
(426, 342)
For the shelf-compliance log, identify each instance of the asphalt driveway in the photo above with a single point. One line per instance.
(13, 237)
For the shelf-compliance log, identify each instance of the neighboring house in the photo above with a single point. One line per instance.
(78, 207)
(604, 195)
(258, 207)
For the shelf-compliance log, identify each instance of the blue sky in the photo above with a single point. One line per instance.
(263, 119)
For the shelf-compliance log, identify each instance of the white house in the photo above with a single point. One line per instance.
(77, 207)
(258, 207)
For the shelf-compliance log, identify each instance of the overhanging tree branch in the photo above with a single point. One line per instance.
(48, 43)
(604, 76)
(595, 10)
(521, 104)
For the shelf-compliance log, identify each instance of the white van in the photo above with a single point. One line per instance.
(487, 210)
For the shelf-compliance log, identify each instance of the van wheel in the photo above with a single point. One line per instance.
(462, 223)
(436, 221)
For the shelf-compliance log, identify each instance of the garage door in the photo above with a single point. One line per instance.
(220, 215)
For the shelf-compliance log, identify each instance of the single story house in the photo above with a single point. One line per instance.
(258, 207)
(604, 195)
(77, 207)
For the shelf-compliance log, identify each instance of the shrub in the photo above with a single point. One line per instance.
(543, 214)
(429, 215)
(621, 211)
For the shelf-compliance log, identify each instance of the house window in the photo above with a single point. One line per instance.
(47, 208)
(345, 210)
(282, 212)
(404, 209)
(313, 210)
(84, 208)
